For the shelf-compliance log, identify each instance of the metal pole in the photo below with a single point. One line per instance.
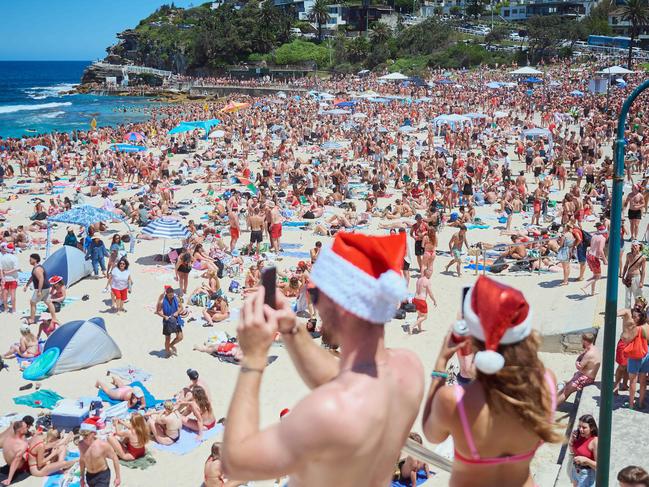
(610, 314)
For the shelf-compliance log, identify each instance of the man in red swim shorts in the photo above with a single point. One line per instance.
(275, 227)
(235, 228)
(423, 291)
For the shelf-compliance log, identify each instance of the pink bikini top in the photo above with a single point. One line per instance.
(466, 427)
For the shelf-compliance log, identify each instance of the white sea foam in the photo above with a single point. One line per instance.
(51, 114)
(42, 106)
(42, 92)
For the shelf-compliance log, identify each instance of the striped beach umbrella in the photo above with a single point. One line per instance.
(166, 228)
(134, 137)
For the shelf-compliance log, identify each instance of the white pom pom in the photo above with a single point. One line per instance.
(489, 362)
(392, 286)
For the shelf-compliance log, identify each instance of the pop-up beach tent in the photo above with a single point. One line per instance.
(73, 346)
(68, 262)
(206, 125)
(84, 215)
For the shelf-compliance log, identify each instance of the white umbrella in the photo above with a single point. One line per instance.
(500, 114)
(217, 134)
(527, 71)
(394, 77)
(359, 115)
(616, 70)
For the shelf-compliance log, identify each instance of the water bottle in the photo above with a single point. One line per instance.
(460, 334)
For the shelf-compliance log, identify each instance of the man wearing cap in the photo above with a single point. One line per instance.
(9, 275)
(350, 429)
(93, 464)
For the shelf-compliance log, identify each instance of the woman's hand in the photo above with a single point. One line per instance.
(581, 460)
(448, 349)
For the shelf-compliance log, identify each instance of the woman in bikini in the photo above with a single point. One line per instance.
(202, 261)
(130, 443)
(123, 392)
(27, 347)
(213, 471)
(429, 243)
(165, 426)
(201, 409)
(518, 398)
(183, 268)
(46, 453)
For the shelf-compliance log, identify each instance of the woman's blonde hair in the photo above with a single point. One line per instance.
(141, 429)
(521, 387)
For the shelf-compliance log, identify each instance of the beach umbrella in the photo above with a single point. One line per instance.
(442, 150)
(345, 104)
(493, 85)
(407, 129)
(616, 70)
(134, 137)
(217, 134)
(40, 148)
(532, 79)
(394, 77)
(276, 128)
(527, 71)
(335, 111)
(127, 148)
(234, 107)
(166, 228)
(577, 93)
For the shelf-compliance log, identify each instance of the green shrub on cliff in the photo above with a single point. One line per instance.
(298, 51)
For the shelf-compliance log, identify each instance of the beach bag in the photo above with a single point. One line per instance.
(627, 280)
(586, 238)
(498, 266)
(400, 314)
(234, 287)
(637, 348)
(408, 307)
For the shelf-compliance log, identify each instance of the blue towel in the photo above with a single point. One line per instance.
(421, 478)
(295, 224)
(297, 254)
(291, 246)
(472, 226)
(188, 441)
(150, 400)
(56, 480)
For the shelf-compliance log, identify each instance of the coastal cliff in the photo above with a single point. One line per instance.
(195, 41)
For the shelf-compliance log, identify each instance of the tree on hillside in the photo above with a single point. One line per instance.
(636, 12)
(475, 8)
(545, 33)
(381, 32)
(423, 38)
(496, 35)
(320, 15)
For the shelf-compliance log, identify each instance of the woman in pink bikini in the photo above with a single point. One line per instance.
(123, 392)
(499, 420)
(200, 408)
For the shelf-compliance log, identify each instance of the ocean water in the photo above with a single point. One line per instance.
(31, 99)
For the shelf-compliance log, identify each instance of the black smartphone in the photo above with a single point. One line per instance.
(269, 281)
(465, 290)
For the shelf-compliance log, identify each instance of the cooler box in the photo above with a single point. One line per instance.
(70, 413)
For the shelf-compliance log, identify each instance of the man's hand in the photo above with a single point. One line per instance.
(118, 481)
(255, 332)
(283, 317)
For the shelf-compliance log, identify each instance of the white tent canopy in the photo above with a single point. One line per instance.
(394, 77)
(613, 70)
(527, 71)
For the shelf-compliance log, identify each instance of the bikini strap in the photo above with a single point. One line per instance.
(459, 399)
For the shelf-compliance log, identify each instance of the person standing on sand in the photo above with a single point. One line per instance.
(635, 202)
(633, 273)
(170, 309)
(455, 246)
(423, 291)
(9, 276)
(93, 464)
(256, 224)
(235, 227)
(587, 365)
(41, 289)
(329, 438)
(275, 227)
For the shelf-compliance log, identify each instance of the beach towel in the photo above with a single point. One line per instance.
(295, 224)
(42, 307)
(141, 463)
(474, 226)
(421, 478)
(292, 246)
(131, 373)
(296, 254)
(43, 399)
(151, 401)
(71, 478)
(188, 441)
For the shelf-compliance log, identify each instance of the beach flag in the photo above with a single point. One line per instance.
(206, 107)
(249, 184)
(93, 123)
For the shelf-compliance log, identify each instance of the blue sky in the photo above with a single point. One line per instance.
(49, 30)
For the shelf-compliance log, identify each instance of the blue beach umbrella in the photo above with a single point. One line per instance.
(166, 228)
(577, 93)
(532, 79)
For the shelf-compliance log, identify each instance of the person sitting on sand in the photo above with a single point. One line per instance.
(14, 451)
(130, 443)
(194, 381)
(219, 311)
(58, 292)
(28, 420)
(46, 453)
(200, 408)
(123, 392)
(27, 347)
(165, 426)
(46, 325)
(410, 467)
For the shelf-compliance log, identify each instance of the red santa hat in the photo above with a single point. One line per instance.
(10, 247)
(362, 274)
(495, 314)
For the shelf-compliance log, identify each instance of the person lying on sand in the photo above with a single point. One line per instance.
(123, 392)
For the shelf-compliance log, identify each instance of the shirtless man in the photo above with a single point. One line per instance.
(93, 458)
(14, 451)
(256, 224)
(329, 438)
(594, 258)
(235, 227)
(194, 380)
(455, 246)
(633, 273)
(424, 290)
(275, 227)
(635, 202)
(587, 365)
(28, 420)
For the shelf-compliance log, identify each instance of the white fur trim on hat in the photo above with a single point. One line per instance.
(374, 300)
(489, 362)
(515, 334)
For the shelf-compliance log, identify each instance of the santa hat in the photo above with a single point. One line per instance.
(55, 279)
(284, 412)
(362, 274)
(495, 314)
(10, 247)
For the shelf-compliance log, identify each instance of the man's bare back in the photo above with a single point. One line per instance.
(589, 361)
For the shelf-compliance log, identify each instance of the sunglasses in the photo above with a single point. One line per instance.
(314, 294)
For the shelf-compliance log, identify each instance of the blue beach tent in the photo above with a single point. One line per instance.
(127, 148)
(68, 262)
